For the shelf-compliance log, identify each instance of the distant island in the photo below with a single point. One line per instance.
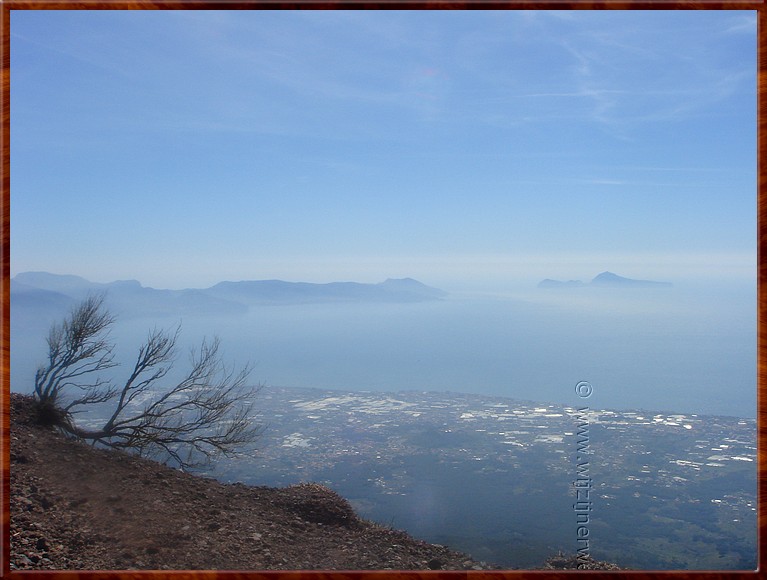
(46, 291)
(605, 280)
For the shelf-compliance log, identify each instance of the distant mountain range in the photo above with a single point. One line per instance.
(605, 280)
(42, 290)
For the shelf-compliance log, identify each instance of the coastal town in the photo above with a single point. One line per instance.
(420, 460)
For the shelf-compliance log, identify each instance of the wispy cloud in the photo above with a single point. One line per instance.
(741, 24)
(634, 75)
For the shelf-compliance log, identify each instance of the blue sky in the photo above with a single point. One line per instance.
(478, 148)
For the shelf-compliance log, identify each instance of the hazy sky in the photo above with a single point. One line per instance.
(183, 148)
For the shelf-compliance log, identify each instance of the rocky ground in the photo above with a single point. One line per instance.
(76, 507)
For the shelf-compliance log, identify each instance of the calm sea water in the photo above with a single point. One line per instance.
(670, 350)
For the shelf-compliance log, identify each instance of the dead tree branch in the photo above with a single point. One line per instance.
(209, 412)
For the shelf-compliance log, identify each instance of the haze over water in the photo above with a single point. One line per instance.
(666, 353)
(686, 349)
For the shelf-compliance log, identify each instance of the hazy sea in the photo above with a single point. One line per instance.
(679, 350)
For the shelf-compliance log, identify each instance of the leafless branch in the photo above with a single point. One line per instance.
(209, 412)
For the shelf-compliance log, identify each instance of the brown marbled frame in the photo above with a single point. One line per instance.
(760, 6)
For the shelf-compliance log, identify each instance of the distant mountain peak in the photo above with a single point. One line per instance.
(48, 281)
(280, 292)
(605, 279)
(31, 288)
(411, 284)
(610, 279)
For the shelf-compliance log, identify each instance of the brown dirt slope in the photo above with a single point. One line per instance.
(76, 507)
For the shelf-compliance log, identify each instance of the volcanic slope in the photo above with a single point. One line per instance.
(77, 507)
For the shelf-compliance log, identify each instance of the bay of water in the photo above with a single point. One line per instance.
(668, 350)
